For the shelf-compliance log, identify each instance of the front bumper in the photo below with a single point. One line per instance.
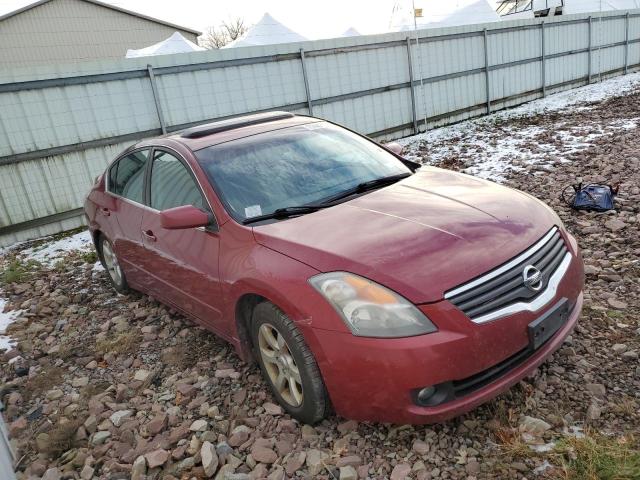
(375, 379)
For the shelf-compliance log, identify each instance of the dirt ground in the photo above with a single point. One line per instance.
(111, 387)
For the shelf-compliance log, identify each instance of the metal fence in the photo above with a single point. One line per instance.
(60, 126)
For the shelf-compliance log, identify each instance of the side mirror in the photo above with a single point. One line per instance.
(186, 216)
(394, 147)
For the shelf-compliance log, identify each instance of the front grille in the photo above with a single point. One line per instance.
(483, 298)
(469, 385)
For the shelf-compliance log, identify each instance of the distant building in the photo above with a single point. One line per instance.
(63, 31)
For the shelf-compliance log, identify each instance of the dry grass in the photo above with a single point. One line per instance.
(511, 444)
(126, 342)
(62, 437)
(596, 457)
(45, 380)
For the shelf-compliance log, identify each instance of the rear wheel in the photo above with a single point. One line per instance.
(112, 266)
(288, 365)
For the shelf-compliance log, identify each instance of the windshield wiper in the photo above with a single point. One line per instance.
(366, 186)
(286, 212)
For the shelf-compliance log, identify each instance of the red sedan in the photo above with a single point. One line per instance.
(357, 280)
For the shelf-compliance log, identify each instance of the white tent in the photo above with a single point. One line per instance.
(266, 32)
(438, 13)
(590, 6)
(176, 43)
(350, 32)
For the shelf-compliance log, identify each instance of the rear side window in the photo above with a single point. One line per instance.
(126, 177)
(172, 184)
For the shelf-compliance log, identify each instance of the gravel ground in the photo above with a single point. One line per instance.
(106, 386)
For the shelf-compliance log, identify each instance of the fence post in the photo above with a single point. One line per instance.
(306, 81)
(413, 93)
(486, 70)
(543, 67)
(589, 74)
(626, 44)
(156, 99)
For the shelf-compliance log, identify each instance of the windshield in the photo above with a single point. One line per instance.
(294, 166)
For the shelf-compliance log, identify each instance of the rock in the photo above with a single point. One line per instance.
(209, 459)
(315, 461)
(472, 467)
(87, 473)
(263, 454)
(141, 375)
(596, 389)
(308, 433)
(79, 382)
(348, 426)
(619, 348)
(348, 473)
(351, 460)
(295, 463)
(593, 412)
(617, 304)
(400, 471)
(225, 472)
(156, 458)
(533, 426)
(43, 442)
(52, 474)
(157, 424)
(139, 468)
(420, 447)
(272, 409)
(100, 437)
(54, 394)
(615, 225)
(239, 435)
(117, 418)
(199, 425)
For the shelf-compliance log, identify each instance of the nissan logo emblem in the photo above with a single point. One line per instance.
(532, 278)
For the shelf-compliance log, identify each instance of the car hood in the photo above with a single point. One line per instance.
(420, 237)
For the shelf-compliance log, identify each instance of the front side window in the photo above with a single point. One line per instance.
(172, 185)
(126, 177)
(299, 165)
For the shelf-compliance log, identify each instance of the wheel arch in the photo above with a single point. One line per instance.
(243, 313)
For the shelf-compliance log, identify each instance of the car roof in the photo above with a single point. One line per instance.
(215, 133)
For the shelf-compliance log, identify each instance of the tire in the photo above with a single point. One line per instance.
(302, 393)
(112, 266)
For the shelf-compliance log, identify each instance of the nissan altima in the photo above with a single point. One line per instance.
(359, 281)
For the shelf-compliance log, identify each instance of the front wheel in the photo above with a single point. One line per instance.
(288, 365)
(112, 266)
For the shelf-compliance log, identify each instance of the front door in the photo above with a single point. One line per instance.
(184, 263)
(125, 186)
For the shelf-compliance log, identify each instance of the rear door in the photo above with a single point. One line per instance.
(126, 186)
(184, 263)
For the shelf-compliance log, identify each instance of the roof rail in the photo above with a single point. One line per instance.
(233, 123)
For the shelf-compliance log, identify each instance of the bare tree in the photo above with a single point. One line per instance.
(226, 32)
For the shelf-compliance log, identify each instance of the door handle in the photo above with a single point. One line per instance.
(105, 211)
(149, 234)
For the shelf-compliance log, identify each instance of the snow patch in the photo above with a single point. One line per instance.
(6, 318)
(495, 148)
(48, 253)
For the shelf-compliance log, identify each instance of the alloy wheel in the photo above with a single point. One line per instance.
(280, 365)
(111, 262)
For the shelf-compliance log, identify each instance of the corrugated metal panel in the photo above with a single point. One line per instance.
(362, 82)
(57, 31)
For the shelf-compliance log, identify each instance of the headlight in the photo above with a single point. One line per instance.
(369, 309)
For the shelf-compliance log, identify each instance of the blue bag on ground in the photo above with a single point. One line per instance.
(599, 198)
